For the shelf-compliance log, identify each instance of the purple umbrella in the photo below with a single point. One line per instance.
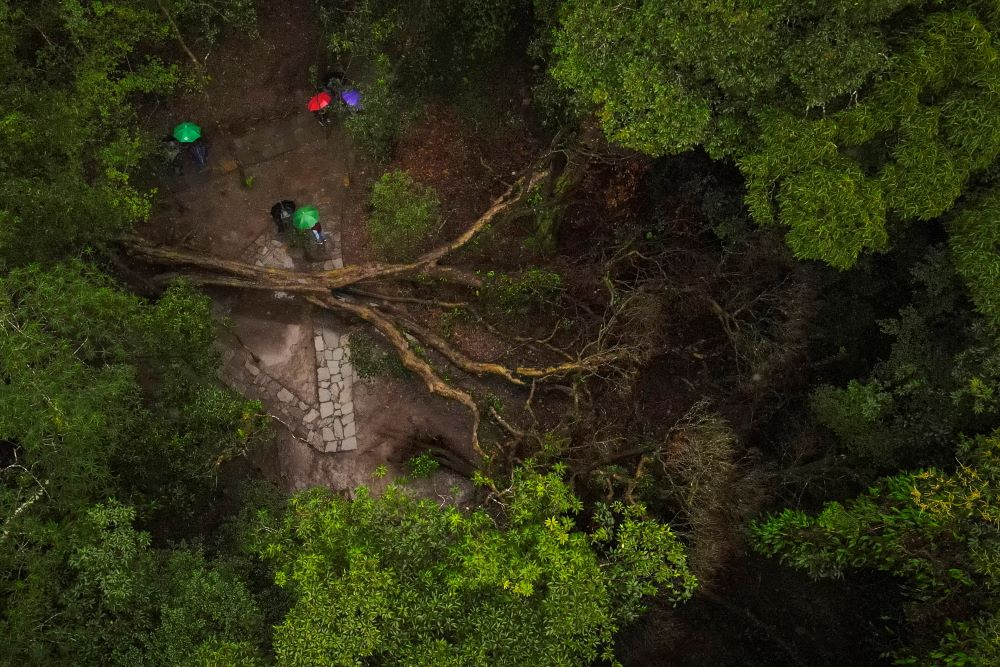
(352, 98)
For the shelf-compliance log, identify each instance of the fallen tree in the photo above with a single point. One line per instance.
(340, 291)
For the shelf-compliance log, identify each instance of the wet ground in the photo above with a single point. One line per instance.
(332, 429)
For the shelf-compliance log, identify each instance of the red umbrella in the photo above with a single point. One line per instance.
(320, 100)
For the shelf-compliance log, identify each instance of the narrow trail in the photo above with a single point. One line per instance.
(265, 146)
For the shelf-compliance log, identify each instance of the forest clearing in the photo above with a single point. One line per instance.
(499, 332)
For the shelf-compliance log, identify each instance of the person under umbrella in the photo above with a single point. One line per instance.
(319, 104)
(351, 99)
(306, 218)
(187, 132)
(281, 213)
(190, 134)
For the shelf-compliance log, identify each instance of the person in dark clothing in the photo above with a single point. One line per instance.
(281, 213)
(323, 115)
(199, 151)
(318, 234)
(171, 150)
(334, 82)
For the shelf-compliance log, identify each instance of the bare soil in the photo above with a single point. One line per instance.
(393, 417)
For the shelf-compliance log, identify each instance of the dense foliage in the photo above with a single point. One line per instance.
(938, 380)
(843, 119)
(105, 396)
(867, 132)
(408, 582)
(73, 73)
(937, 531)
(405, 216)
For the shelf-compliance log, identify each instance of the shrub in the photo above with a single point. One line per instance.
(521, 292)
(404, 215)
(376, 128)
(422, 465)
(934, 531)
(370, 360)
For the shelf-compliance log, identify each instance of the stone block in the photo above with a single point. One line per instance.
(323, 374)
(253, 370)
(347, 407)
(338, 429)
(349, 429)
(318, 343)
(284, 395)
(325, 410)
(332, 338)
(310, 416)
(338, 354)
(327, 434)
(324, 395)
(349, 444)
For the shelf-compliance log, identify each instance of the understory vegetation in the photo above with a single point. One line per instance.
(724, 350)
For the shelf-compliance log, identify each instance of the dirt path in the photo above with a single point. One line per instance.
(265, 146)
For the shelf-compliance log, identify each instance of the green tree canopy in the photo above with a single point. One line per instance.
(114, 600)
(428, 41)
(101, 394)
(936, 531)
(844, 117)
(72, 73)
(408, 582)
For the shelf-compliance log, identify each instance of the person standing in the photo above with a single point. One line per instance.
(282, 213)
(199, 152)
(170, 148)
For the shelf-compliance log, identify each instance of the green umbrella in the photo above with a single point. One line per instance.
(305, 217)
(187, 132)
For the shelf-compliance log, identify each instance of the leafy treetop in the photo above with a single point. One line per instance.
(842, 116)
(407, 582)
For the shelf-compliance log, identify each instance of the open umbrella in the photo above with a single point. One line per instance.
(187, 132)
(352, 98)
(320, 101)
(305, 217)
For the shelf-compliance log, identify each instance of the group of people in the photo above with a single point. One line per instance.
(285, 219)
(336, 95)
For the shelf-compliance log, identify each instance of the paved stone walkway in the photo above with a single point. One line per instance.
(325, 420)
(335, 381)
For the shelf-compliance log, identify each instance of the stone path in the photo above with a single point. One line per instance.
(335, 381)
(326, 420)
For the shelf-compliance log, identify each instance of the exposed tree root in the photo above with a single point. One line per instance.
(458, 358)
(316, 283)
(319, 288)
(364, 294)
(479, 369)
